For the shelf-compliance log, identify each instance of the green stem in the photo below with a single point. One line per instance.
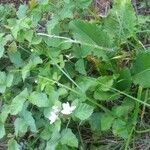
(125, 94)
(143, 131)
(136, 111)
(145, 100)
(76, 92)
(81, 140)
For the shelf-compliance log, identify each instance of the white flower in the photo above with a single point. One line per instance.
(67, 109)
(54, 114)
(55, 109)
(53, 117)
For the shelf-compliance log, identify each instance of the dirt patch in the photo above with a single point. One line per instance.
(14, 2)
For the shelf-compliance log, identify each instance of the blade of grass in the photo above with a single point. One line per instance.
(129, 96)
(142, 131)
(145, 100)
(136, 111)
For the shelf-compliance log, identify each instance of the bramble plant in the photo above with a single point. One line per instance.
(64, 70)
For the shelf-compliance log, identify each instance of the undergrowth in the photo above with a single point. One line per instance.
(70, 79)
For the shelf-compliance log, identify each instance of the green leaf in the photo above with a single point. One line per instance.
(80, 66)
(120, 111)
(83, 4)
(21, 13)
(1, 50)
(83, 111)
(3, 82)
(106, 83)
(25, 71)
(13, 145)
(39, 99)
(18, 102)
(36, 40)
(44, 2)
(51, 24)
(86, 83)
(15, 58)
(66, 12)
(95, 121)
(105, 96)
(124, 80)
(15, 30)
(106, 122)
(141, 69)
(2, 130)
(90, 33)
(34, 60)
(12, 47)
(20, 126)
(9, 80)
(53, 142)
(120, 129)
(29, 120)
(68, 138)
(46, 133)
(121, 22)
(29, 35)
(5, 110)
(6, 81)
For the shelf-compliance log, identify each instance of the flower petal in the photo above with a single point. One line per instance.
(73, 108)
(67, 108)
(53, 117)
(55, 109)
